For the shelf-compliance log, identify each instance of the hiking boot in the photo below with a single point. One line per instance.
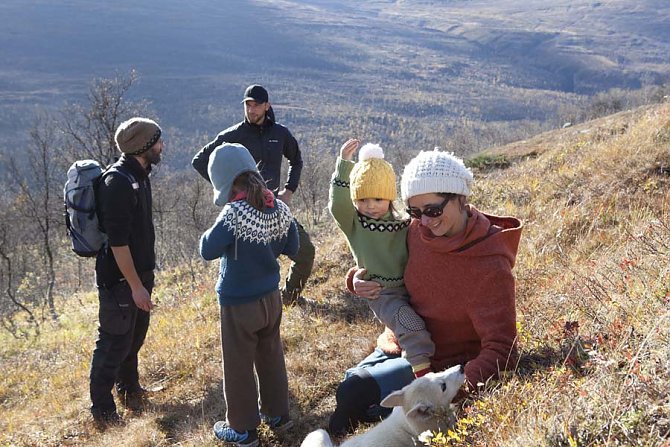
(292, 297)
(278, 424)
(298, 300)
(104, 419)
(134, 401)
(132, 389)
(246, 438)
(134, 398)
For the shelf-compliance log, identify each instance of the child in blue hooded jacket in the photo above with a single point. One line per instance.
(251, 231)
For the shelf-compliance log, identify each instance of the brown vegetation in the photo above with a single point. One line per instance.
(593, 285)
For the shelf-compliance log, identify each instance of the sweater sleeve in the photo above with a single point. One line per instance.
(215, 240)
(494, 319)
(339, 203)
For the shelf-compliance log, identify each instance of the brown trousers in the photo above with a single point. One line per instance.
(250, 339)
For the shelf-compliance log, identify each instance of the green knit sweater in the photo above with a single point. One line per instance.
(378, 245)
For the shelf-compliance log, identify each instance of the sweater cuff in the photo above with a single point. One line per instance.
(343, 168)
(421, 370)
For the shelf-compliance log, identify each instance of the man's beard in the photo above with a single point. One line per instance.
(257, 121)
(153, 156)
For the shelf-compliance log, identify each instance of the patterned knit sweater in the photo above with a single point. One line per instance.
(248, 242)
(378, 245)
(463, 288)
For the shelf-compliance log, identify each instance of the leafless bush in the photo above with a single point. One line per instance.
(35, 194)
(12, 273)
(181, 214)
(89, 127)
(311, 197)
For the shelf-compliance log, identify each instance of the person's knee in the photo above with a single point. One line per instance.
(354, 395)
(302, 265)
(358, 392)
(308, 246)
(306, 252)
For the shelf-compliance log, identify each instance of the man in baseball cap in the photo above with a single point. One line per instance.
(268, 141)
(256, 93)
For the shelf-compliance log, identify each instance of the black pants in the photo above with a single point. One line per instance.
(300, 268)
(121, 333)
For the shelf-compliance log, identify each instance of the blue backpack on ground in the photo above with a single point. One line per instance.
(81, 218)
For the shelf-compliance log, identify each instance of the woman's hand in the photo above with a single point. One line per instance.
(364, 288)
(348, 149)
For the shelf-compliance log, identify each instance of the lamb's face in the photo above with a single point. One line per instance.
(443, 385)
(426, 401)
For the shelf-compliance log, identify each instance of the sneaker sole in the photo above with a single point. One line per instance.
(238, 444)
(254, 443)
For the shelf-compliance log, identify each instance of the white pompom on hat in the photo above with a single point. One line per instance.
(435, 172)
(370, 150)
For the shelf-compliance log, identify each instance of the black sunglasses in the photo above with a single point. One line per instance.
(430, 211)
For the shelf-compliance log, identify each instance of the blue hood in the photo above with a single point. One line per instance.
(227, 162)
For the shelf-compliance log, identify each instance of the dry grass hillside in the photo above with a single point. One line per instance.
(593, 305)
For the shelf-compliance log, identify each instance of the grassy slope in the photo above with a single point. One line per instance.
(593, 301)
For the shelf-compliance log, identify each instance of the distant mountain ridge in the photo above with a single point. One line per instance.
(452, 58)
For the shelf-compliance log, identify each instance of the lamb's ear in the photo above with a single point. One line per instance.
(395, 399)
(421, 410)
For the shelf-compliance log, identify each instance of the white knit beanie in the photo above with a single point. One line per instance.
(435, 172)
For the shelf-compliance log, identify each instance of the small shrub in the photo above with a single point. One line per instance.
(488, 162)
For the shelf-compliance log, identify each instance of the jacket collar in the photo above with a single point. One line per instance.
(267, 123)
(134, 167)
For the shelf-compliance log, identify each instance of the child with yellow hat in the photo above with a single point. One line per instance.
(361, 202)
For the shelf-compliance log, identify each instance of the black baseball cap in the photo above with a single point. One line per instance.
(256, 93)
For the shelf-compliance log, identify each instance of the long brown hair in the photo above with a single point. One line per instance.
(461, 198)
(254, 185)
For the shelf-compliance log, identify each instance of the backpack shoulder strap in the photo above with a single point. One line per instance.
(124, 173)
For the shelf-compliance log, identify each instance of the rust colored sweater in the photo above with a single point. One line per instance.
(463, 288)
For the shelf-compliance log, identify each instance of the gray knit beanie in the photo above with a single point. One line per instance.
(435, 172)
(137, 135)
(226, 163)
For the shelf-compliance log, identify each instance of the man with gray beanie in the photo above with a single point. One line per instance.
(268, 142)
(124, 268)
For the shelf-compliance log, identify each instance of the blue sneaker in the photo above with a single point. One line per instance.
(278, 424)
(224, 432)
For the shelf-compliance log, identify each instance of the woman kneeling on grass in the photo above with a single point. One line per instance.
(459, 278)
(251, 231)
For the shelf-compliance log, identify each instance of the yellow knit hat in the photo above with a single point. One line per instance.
(372, 177)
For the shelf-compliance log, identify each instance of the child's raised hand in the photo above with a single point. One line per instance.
(348, 149)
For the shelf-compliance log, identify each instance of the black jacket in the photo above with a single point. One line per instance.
(267, 144)
(125, 216)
